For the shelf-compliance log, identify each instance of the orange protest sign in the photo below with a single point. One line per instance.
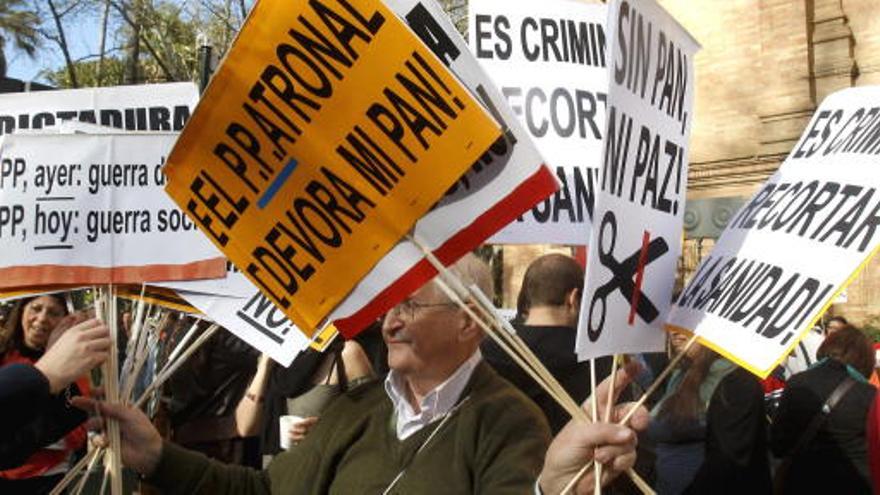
(158, 296)
(326, 133)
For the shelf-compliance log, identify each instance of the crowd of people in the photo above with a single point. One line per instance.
(422, 402)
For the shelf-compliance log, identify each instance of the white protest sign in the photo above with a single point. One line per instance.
(94, 205)
(255, 320)
(232, 285)
(504, 183)
(548, 58)
(796, 244)
(637, 228)
(151, 107)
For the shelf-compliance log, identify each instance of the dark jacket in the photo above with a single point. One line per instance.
(30, 417)
(554, 347)
(836, 460)
(493, 443)
(736, 439)
(722, 451)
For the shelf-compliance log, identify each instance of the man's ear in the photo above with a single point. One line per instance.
(573, 299)
(468, 328)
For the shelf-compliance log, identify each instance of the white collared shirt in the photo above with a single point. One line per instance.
(433, 405)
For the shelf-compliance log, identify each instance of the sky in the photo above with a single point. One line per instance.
(82, 38)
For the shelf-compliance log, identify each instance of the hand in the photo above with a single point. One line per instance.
(72, 354)
(141, 443)
(609, 444)
(299, 429)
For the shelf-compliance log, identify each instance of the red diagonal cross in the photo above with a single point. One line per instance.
(640, 272)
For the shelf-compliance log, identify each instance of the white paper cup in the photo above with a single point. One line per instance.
(285, 423)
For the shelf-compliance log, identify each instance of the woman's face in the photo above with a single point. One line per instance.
(39, 318)
(679, 340)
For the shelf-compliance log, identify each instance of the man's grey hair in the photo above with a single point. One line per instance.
(474, 271)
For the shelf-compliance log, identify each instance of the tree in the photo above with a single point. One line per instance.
(19, 25)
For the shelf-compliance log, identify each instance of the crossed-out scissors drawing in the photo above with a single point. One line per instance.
(622, 276)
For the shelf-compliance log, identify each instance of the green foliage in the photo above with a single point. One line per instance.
(871, 327)
(87, 74)
(17, 24)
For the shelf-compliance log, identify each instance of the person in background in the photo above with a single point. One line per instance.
(343, 366)
(549, 301)
(820, 427)
(834, 324)
(54, 435)
(709, 427)
(30, 391)
(204, 394)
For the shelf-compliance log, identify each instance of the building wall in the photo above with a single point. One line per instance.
(764, 67)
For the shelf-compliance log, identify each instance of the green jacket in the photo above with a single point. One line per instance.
(493, 443)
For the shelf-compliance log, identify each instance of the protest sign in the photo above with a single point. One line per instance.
(548, 58)
(504, 183)
(796, 244)
(260, 323)
(232, 285)
(93, 205)
(150, 107)
(157, 296)
(326, 133)
(637, 228)
(23, 292)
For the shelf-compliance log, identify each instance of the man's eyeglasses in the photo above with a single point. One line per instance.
(407, 309)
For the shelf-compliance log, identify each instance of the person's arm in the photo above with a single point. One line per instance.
(51, 422)
(173, 469)
(24, 390)
(249, 412)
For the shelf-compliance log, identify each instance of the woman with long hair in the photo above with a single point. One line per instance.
(23, 340)
(709, 427)
(819, 430)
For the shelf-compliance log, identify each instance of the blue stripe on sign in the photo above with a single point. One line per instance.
(276, 184)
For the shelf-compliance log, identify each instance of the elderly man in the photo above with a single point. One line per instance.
(442, 422)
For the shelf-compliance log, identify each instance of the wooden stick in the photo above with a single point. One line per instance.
(527, 361)
(505, 337)
(71, 474)
(183, 342)
(170, 368)
(614, 361)
(594, 408)
(549, 381)
(659, 381)
(111, 387)
(637, 480)
(98, 454)
(641, 401)
(577, 477)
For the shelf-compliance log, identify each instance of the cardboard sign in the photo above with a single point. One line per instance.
(637, 229)
(326, 133)
(260, 323)
(157, 296)
(787, 254)
(549, 60)
(80, 209)
(149, 107)
(232, 285)
(503, 184)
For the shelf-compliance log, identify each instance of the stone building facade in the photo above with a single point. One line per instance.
(764, 67)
